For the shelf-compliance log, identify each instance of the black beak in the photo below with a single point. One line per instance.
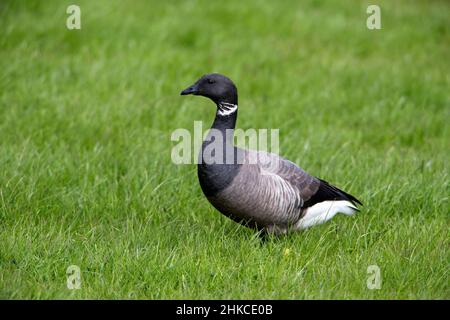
(191, 90)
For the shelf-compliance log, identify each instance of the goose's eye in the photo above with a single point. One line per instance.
(210, 81)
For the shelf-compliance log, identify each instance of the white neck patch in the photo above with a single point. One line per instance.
(226, 108)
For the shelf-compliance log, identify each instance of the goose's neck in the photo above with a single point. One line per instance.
(221, 135)
(218, 165)
(226, 116)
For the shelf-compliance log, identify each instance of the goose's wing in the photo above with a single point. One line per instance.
(272, 166)
(312, 190)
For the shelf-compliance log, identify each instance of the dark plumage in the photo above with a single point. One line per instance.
(327, 191)
(276, 197)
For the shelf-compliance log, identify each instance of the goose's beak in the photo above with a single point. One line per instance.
(191, 90)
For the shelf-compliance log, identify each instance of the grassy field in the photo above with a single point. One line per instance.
(86, 177)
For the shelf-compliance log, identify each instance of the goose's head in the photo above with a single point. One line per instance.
(214, 86)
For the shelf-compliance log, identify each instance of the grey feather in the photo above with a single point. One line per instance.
(267, 191)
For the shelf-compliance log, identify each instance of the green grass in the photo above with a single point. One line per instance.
(85, 123)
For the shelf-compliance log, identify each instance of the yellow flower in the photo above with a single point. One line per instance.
(286, 252)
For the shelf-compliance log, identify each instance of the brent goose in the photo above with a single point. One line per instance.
(271, 198)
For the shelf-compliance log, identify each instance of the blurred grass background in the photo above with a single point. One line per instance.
(85, 123)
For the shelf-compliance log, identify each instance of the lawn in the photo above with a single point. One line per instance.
(86, 176)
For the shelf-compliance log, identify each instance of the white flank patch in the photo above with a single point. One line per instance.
(226, 108)
(323, 211)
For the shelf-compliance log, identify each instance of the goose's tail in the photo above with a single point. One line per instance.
(325, 204)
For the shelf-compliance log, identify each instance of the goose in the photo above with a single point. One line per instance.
(272, 195)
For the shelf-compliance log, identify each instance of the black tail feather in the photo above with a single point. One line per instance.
(327, 191)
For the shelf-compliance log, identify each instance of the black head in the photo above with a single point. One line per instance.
(214, 86)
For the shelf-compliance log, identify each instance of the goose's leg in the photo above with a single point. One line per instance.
(263, 236)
